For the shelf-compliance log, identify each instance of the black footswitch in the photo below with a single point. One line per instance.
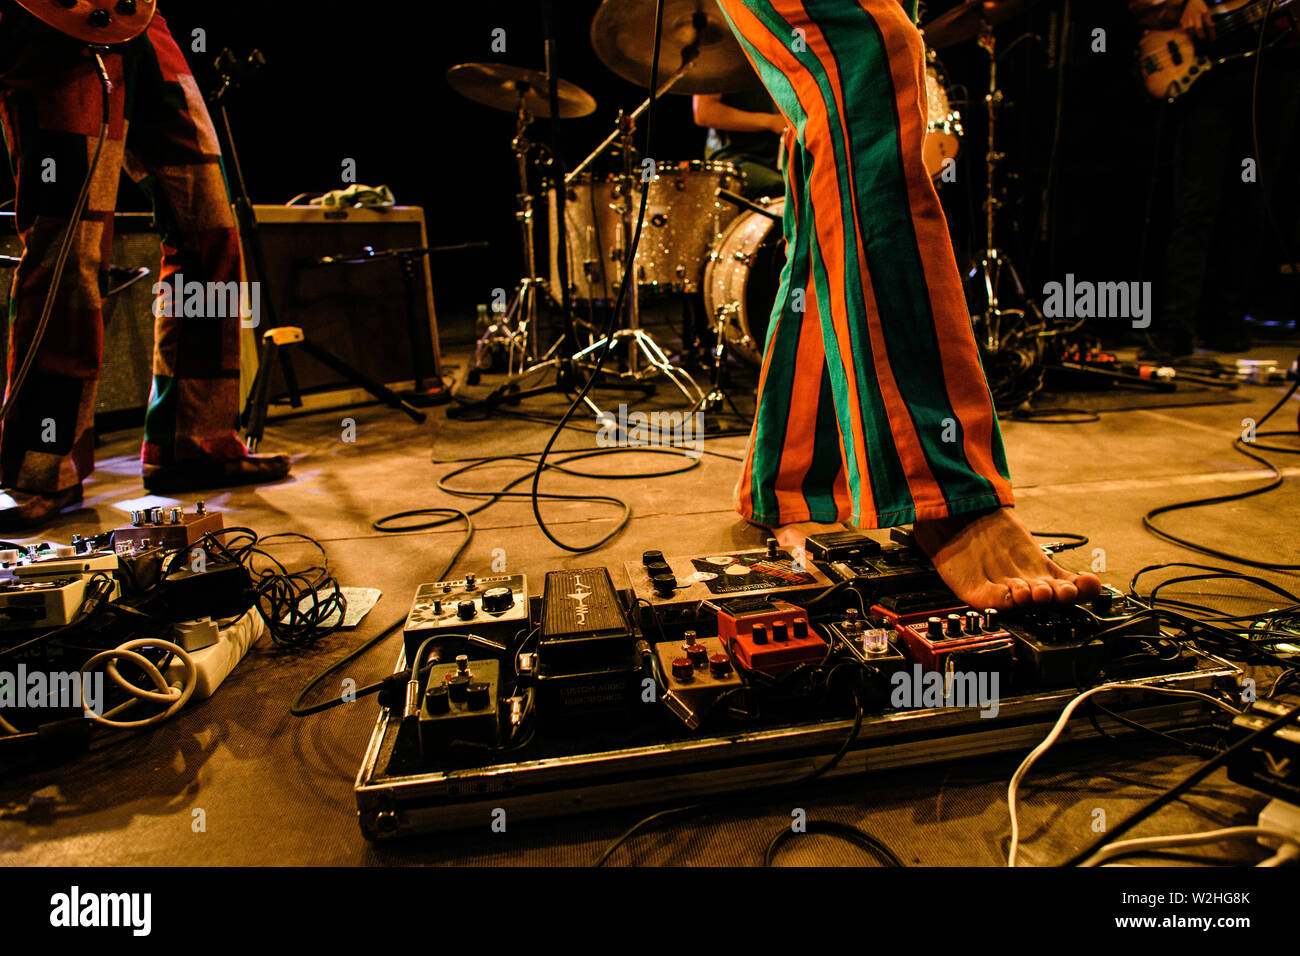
(460, 704)
(493, 607)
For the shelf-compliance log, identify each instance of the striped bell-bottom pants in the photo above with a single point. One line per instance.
(873, 407)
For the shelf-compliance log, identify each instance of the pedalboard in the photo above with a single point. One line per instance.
(1272, 764)
(167, 528)
(461, 703)
(489, 607)
(768, 635)
(675, 587)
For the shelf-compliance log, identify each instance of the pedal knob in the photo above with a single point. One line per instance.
(953, 628)
(759, 634)
(498, 600)
(651, 557)
(437, 700)
(457, 686)
(780, 633)
(991, 619)
(664, 584)
(64, 551)
(934, 627)
(800, 628)
(683, 669)
(137, 518)
(1103, 602)
(477, 696)
(8, 556)
(698, 655)
(719, 665)
(972, 622)
(99, 17)
(771, 547)
(471, 581)
(465, 610)
(126, 7)
(658, 567)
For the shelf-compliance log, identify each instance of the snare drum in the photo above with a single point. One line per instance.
(684, 218)
(742, 279)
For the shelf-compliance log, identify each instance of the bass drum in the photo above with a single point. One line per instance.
(742, 279)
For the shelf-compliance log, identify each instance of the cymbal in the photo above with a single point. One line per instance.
(964, 22)
(622, 33)
(499, 86)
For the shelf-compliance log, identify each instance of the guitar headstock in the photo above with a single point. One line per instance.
(95, 21)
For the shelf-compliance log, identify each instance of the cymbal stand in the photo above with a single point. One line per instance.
(991, 261)
(523, 309)
(640, 344)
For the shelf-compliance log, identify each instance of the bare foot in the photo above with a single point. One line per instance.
(992, 561)
(791, 536)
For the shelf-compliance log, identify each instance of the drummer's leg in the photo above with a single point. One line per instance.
(920, 439)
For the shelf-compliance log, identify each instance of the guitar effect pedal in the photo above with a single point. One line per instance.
(769, 636)
(494, 607)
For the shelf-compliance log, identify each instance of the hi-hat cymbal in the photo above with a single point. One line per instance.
(622, 33)
(500, 86)
(964, 22)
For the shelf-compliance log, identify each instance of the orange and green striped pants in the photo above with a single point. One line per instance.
(873, 407)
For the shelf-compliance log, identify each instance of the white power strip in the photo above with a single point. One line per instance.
(214, 663)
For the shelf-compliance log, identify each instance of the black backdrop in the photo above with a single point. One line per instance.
(368, 83)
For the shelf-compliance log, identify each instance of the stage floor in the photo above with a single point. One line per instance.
(276, 790)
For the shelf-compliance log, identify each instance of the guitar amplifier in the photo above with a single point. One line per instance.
(356, 310)
(127, 372)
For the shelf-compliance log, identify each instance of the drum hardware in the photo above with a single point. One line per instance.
(522, 92)
(991, 261)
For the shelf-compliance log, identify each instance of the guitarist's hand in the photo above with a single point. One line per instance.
(1197, 21)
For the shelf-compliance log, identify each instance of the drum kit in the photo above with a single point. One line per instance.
(699, 238)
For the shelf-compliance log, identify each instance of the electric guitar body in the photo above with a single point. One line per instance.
(1170, 61)
(95, 21)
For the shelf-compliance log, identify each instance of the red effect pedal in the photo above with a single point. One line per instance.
(769, 636)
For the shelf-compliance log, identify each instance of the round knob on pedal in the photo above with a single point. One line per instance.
(953, 628)
(683, 669)
(1103, 602)
(771, 547)
(658, 567)
(478, 696)
(650, 557)
(719, 665)
(471, 581)
(465, 610)
(800, 628)
(759, 634)
(972, 622)
(991, 619)
(698, 655)
(437, 700)
(100, 17)
(498, 600)
(934, 627)
(664, 584)
(126, 7)
(780, 633)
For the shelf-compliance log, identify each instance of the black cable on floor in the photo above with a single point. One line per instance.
(830, 828)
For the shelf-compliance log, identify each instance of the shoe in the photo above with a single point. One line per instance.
(20, 510)
(227, 463)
